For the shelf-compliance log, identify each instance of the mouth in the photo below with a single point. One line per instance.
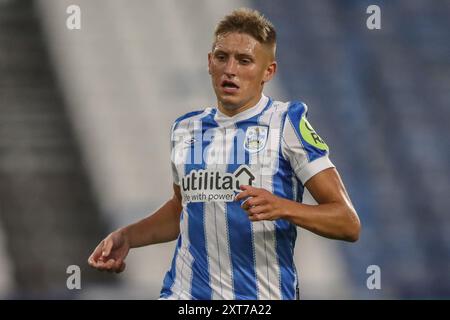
(229, 86)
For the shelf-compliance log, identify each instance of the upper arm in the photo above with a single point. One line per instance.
(329, 191)
(177, 193)
(327, 187)
(177, 198)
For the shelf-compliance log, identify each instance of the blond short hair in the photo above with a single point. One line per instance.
(250, 22)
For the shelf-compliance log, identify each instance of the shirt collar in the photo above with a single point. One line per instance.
(223, 119)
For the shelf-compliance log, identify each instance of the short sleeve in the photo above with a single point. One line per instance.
(306, 151)
(173, 155)
(180, 130)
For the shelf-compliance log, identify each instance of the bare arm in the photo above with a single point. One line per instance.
(334, 216)
(162, 226)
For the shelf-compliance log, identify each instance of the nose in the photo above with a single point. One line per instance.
(230, 67)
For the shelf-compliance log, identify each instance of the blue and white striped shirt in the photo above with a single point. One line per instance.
(220, 253)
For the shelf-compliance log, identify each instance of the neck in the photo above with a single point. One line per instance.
(234, 110)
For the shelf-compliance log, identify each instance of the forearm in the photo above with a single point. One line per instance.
(332, 220)
(161, 226)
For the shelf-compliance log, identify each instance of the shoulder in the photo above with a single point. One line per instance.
(187, 116)
(191, 116)
(290, 111)
(297, 125)
(297, 109)
(290, 107)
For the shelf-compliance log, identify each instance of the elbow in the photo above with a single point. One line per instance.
(353, 235)
(353, 227)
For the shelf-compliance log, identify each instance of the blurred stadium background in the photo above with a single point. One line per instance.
(84, 136)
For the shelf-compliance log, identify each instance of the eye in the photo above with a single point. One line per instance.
(245, 61)
(220, 57)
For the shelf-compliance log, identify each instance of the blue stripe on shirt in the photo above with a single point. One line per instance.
(200, 282)
(240, 227)
(285, 231)
(169, 279)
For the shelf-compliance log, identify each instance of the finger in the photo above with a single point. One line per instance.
(252, 202)
(248, 191)
(260, 217)
(92, 262)
(245, 205)
(256, 217)
(96, 253)
(241, 195)
(118, 264)
(122, 267)
(110, 264)
(95, 257)
(100, 265)
(117, 267)
(259, 209)
(245, 187)
(107, 247)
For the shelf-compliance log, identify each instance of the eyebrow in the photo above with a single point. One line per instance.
(245, 55)
(239, 55)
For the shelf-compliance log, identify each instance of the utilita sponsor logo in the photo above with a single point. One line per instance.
(209, 185)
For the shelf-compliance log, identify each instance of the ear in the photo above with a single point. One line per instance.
(270, 71)
(209, 62)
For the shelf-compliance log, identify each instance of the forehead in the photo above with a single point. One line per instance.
(235, 42)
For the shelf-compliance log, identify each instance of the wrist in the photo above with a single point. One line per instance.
(124, 233)
(286, 210)
(289, 210)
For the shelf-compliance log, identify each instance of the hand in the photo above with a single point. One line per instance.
(261, 204)
(111, 252)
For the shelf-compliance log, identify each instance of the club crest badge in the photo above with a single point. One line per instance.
(255, 138)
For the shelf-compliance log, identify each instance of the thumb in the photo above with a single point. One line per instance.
(107, 248)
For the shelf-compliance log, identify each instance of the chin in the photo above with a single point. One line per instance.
(229, 103)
